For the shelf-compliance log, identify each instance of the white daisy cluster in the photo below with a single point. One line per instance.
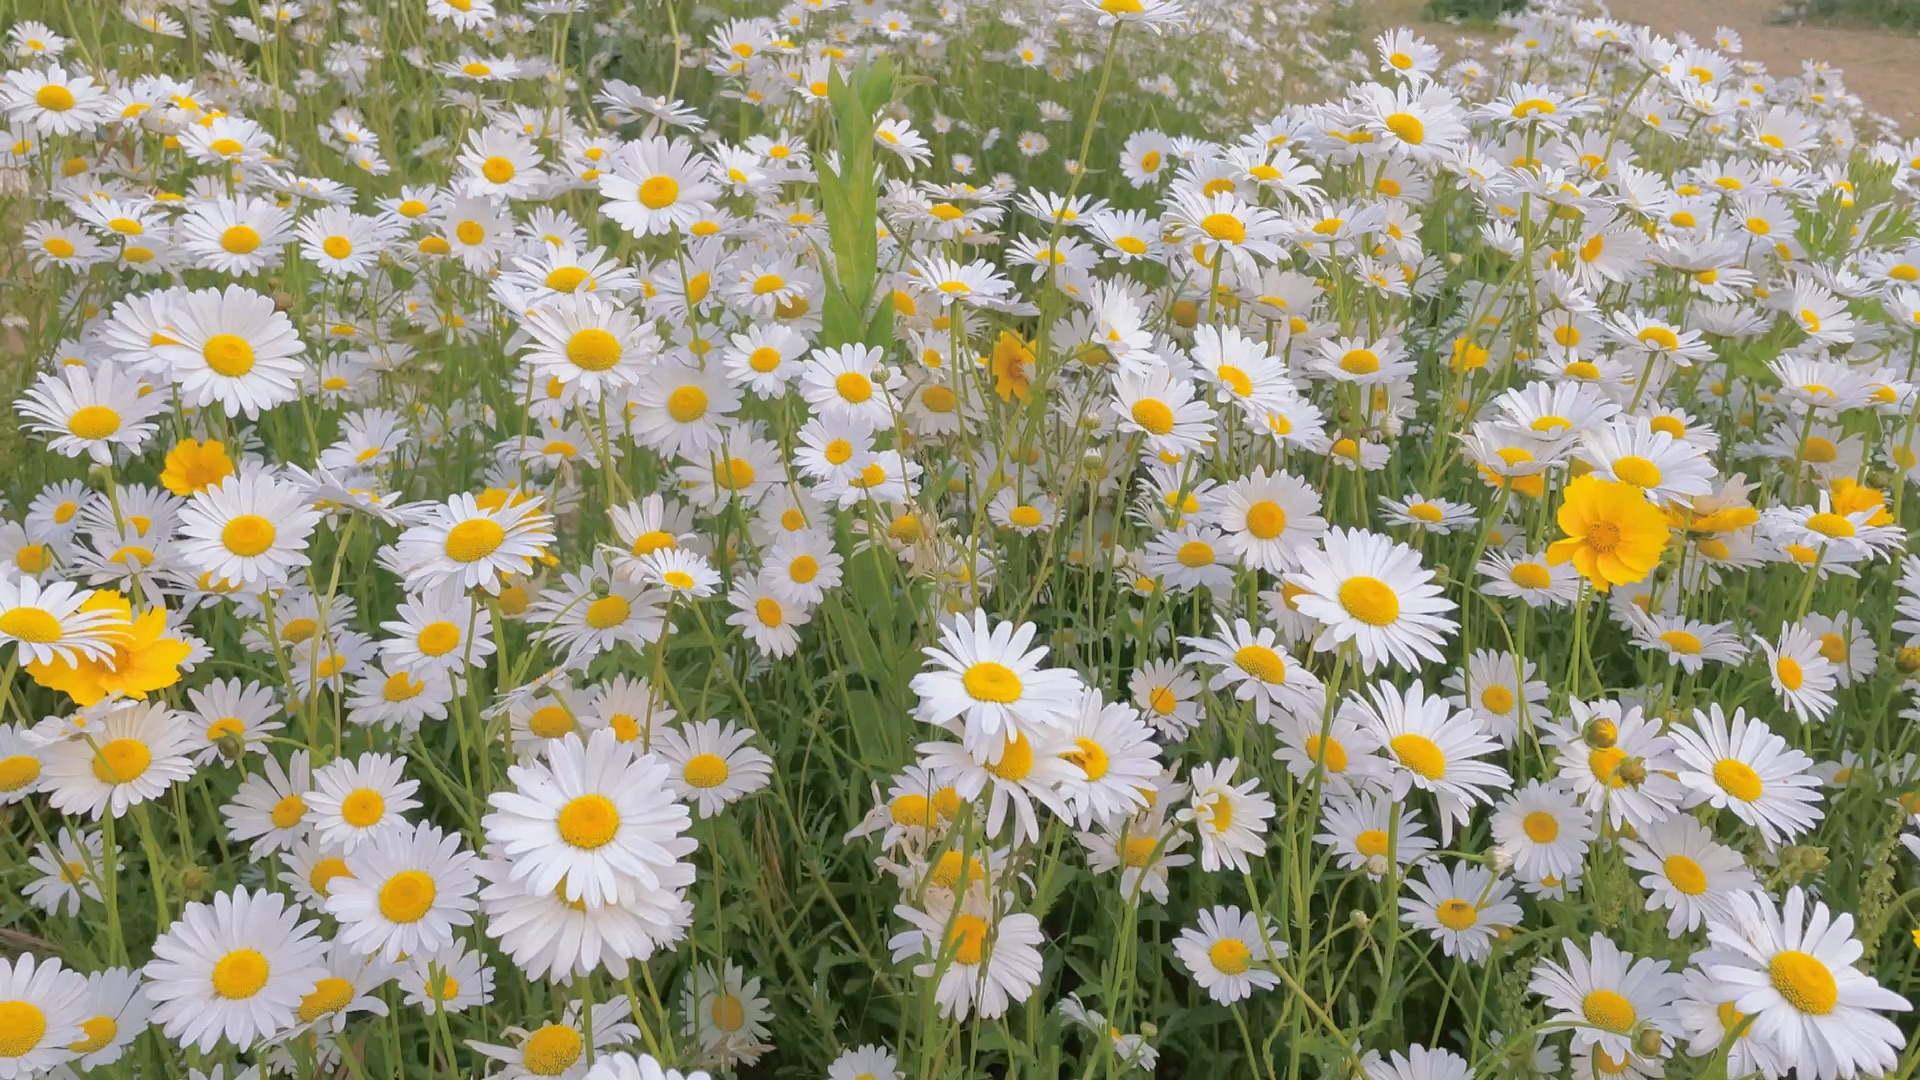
(611, 541)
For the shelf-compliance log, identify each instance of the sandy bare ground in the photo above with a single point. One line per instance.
(1879, 65)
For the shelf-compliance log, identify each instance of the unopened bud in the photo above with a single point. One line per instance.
(1360, 919)
(1649, 1042)
(194, 880)
(1801, 861)
(231, 744)
(282, 302)
(1632, 772)
(1499, 859)
(1598, 733)
(1149, 1029)
(1907, 660)
(1377, 866)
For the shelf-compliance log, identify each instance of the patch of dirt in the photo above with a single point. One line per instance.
(1878, 64)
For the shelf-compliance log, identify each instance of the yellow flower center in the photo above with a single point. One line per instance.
(402, 686)
(1371, 843)
(1685, 874)
(853, 387)
(474, 539)
(321, 877)
(967, 939)
(588, 821)
(99, 1031)
(1681, 641)
(288, 812)
(1608, 1010)
(912, 810)
(363, 808)
(1230, 956)
(1804, 981)
(228, 354)
(121, 761)
(31, 625)
(1541, 827)
(594, 349)
(1457, 914)
(1266, 519)
(1261, 662)
(1605, 763)
(659, 192)
(1016, 760)
(607, 612)
(706, 770)
(1637, 471)
(240, 974)
(33, 558)
(54, 98)
(93, 422)
(1408, 127)
(687, 404)
(1827, 523)
(565, 278)
(1225, 228)
(550, 722)
(769, 611)
(1152, 415)
(992, 681)
(438, 638)
(329, 996)
(22, 1024)
(18, 771)
(1737, 779)
(1195, 554)
(408, 896)
(1421, 754)
(248, 535)
(728, 1013)
(1090, 756)
(497, 169)
(1328, 752)
(551, 1051)
(1370, 600)
(1788, 671)
(239, 239)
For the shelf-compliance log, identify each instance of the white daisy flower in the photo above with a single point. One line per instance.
(988, 686)
(234, 970)
(711, 764)
(1435, 748)
(128, 756)
(1369, 590)
(1608, 997)
(405, 893)
(595, 820)
(1739, 764)
(1231, 952)
(355, 800)
(1463, 907)
(1792, 970)
(1687, 873)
